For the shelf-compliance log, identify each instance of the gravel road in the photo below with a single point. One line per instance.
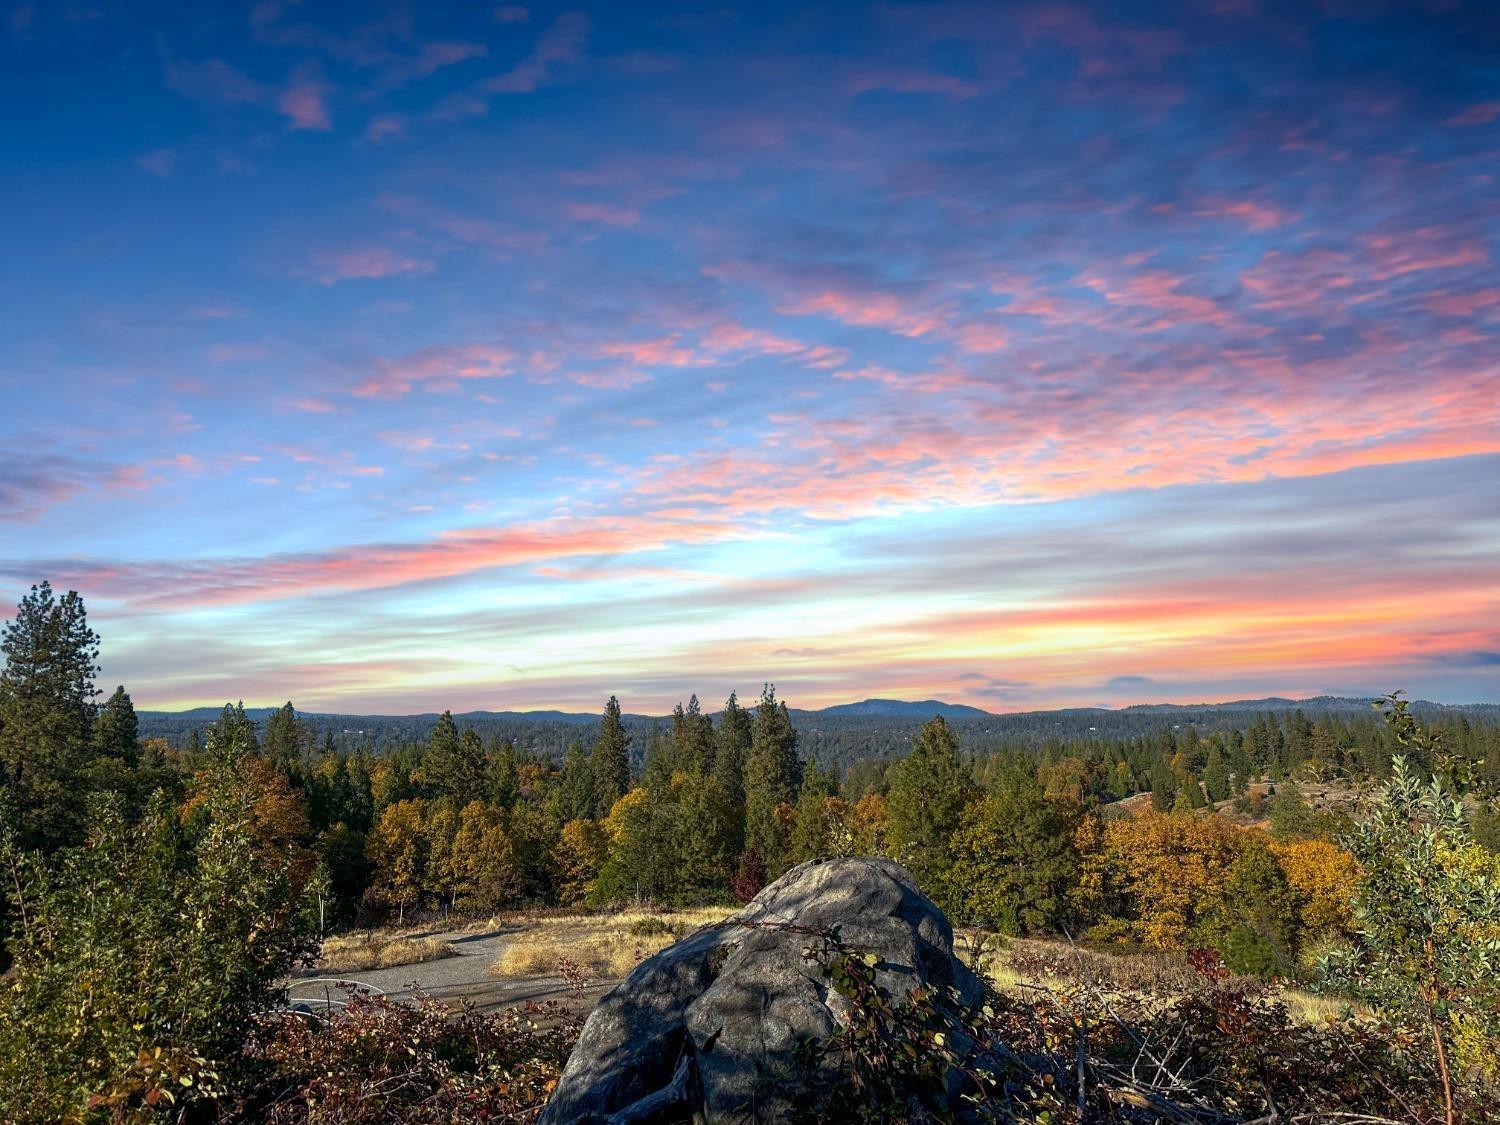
(463, 977)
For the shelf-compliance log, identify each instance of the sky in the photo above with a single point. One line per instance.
(389, 358)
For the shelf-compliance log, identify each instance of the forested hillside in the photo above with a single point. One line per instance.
(155, 893)
(836, 736)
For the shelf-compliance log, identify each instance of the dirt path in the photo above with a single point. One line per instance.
(465, 976)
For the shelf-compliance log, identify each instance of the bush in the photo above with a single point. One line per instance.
(380, 1061)
(651, 926)
(141, 957)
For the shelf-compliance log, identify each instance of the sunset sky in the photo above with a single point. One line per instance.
(400, 357)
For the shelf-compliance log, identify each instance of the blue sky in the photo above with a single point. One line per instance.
(394, 357)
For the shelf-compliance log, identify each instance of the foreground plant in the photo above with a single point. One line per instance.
(381, 1061)
(1427, 910)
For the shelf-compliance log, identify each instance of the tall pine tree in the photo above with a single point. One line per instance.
(46, 713)
(611, 760)
(930, 789)
(772, 774)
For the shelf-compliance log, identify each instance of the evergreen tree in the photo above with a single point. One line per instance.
(46, 713)
(117, 730)
(611, 760)
(930, 789)
(285, 737)
(811, 832)
(231, 737)
(731, 748)
(454, 764)
(573, 799)
(771, 777)
(502, 776)
(1163, 787)
(1292, 818)
(660, 761)
(693, 737)
(1216, 775)
(1014, 860)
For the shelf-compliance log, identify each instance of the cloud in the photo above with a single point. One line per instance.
(1481, 113)
(561, 45)
(161, 162)
(213, 81)
(913, 82)
(329, 267)
(376, 566)
(304, 102)
(436, 367)
(604, 213)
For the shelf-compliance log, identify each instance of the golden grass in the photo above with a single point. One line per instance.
(603, 946)
(352, 953)
(1017, 967)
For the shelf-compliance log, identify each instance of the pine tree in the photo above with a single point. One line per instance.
(573, 799)
(811, 831)
(231, 737)
(1014, 860)
(693, 736)
(930, 789)
(611, 760)
(454, 764)
(661, 760)
(46, 712)
(502, 776)
(731, 747)
(1216, 775)
(285, 737)
(1163, 787)
(771, 777)
(117, 730)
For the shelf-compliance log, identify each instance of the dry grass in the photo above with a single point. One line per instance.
(352, 953)
(603, 946)
(1017, 966)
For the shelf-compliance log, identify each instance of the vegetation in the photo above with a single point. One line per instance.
(156, 896)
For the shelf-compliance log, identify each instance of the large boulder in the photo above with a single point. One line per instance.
(709, 1029)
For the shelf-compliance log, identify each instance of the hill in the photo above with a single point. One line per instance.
(838, 735)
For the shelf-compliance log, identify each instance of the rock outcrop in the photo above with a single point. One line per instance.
(709, 1029)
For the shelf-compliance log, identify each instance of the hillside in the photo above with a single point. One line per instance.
(841, 734)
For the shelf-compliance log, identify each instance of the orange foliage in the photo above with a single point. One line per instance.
(1162, 873)
(1324, 875)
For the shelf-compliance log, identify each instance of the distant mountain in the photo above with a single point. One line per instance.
(872, 729)
(904, 709)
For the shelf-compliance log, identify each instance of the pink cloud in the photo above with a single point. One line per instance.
(981, 338)
(605, 213)
(366, 263)
(1481, 114)
(377, 566)
(439, 367)
(913, 82)
(560, 45)
(312, 405)
(304, 101)
(386, 127)
(1161, 291)
(864, 310)
(664, 351)
(1429, 248)
(1463, 304)
(1255, 214)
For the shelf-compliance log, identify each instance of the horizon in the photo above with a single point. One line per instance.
(1019, 356)
(626, 712)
